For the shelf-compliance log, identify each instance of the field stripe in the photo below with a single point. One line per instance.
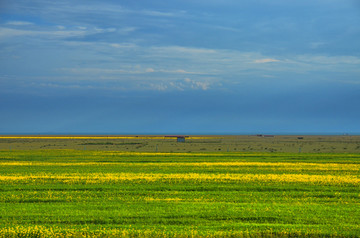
(276, 165)
(98, 178)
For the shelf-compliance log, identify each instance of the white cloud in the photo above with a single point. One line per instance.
(61, 9)
(149, 70)
(96, 71)
(9, 32)
(102, 30)
(126, 70)
(117, 45)
(158, 87)
(219, 64)
(19, 23)
(269, 60)
(225, 28)
(158, 14)
(189, 83)
(186, 50)
(232, 62)
(328, 60)
(127, 30)
(179, 71)
(103, 71)
(60, 32)
(202, 85)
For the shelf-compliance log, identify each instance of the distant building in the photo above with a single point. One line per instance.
(179, 138)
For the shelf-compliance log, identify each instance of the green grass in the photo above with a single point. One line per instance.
(168, 207)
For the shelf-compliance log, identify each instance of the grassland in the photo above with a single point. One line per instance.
(245, 143)
(99, 193)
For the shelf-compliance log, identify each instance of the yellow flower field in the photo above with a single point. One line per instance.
(283, 166)
(98, 178)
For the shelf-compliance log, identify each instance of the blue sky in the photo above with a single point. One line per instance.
(187, 67)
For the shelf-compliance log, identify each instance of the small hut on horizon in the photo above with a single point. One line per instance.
(179, 138)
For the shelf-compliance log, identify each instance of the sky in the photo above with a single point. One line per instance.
(180, 67)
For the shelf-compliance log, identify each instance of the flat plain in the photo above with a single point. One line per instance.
(194, 143)
(215, 186)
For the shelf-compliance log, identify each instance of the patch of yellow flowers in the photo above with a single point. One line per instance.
(57, 232)
(99, 178)
(85, 232)
(274, 166)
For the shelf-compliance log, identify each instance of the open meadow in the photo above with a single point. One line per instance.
(246, 186)
(242, 143)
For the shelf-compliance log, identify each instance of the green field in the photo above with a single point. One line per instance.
(74, 193)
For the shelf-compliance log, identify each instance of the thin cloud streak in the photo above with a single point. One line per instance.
(10, 33)
(19, 23)
(261, 61)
